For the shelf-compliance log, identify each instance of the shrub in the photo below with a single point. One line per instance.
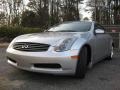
(9, 33)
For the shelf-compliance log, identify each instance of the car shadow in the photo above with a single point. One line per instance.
(27, 76)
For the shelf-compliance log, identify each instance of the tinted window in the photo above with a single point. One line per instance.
(97, 26)
(72, 27)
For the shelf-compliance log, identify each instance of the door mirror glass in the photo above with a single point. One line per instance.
(99, 31)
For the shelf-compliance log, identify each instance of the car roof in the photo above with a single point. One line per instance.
(77, 22)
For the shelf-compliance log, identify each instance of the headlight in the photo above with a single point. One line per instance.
(65, 45)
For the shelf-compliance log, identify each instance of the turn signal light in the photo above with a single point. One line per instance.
(75, 57)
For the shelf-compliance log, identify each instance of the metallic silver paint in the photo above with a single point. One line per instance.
(100, 46)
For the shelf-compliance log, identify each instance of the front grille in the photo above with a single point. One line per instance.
(31, 47)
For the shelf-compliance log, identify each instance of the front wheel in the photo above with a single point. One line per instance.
(81, 67)
(111, 54)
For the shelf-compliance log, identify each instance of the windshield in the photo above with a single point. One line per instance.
(72, 27)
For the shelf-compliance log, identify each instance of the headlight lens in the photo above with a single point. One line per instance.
(65, 45)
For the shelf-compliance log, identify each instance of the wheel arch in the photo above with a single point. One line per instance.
(89, 51)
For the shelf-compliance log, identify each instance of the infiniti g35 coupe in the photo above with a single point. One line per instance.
(65, 49)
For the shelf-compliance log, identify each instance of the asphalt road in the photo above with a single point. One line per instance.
(103, 76)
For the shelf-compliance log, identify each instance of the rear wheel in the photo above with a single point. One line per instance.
(82, 64)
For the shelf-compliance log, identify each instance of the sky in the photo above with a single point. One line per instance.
(82, 11)
(26, 2)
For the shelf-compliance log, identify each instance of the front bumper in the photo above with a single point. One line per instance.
(27, 60)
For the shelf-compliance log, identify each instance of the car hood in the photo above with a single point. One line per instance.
(47, 37)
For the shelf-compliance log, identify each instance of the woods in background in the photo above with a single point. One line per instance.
(44, 13)
(40, 13)
(106, 12)
(49, 12)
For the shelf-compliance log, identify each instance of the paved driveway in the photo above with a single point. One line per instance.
(103, 76)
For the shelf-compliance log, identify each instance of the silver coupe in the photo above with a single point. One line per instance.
(65, 49)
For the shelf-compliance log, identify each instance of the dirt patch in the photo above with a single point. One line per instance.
(3, 45)
(5, 39)
(5, 83)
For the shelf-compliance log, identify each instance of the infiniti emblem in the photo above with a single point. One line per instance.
(25, 46)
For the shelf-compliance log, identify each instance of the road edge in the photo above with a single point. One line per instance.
(4, 45)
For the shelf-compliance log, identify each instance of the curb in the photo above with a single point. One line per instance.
(4, 45)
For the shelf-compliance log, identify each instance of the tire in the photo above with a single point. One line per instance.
(111, 54)
(81, 67)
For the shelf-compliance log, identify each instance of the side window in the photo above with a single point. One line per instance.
(97, 26)
(101, 27)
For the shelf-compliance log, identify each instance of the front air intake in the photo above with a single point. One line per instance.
(45, 65)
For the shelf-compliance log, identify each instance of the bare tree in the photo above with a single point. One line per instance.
(54, 11)
(105, 11)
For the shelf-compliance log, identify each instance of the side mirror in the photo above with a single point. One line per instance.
(99, 31)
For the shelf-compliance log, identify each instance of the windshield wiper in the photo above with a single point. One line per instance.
(66, 31)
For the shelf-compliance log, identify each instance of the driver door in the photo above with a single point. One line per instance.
(100, 43)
